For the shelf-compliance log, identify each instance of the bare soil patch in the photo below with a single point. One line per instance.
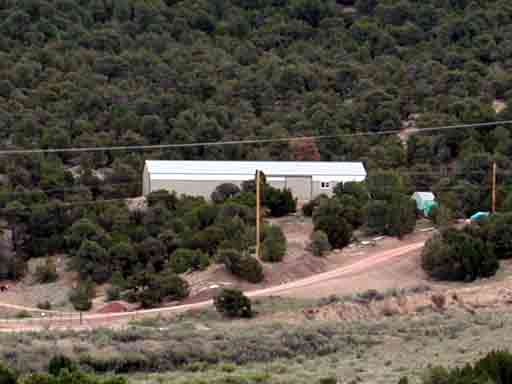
(300, 263)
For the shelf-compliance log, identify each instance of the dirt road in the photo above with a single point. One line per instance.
(66, 320)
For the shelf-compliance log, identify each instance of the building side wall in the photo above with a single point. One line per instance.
(190, 187)
(279, 184)
(318, 190)
(302, 188)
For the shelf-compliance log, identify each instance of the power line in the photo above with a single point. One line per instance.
(6, 152)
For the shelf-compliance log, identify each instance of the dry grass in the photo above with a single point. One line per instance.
(282, 345)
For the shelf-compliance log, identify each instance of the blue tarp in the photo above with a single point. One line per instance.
(479, 215)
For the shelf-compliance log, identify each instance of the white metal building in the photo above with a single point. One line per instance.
(305, 179)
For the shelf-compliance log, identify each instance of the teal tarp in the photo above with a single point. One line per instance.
(425, 201)
(479, 216)
(428, 206)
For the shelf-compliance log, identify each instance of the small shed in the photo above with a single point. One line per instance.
(425, 201)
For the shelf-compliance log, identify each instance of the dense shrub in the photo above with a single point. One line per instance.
(81, 296)
(44, 305)
(113, 293)
(47, 272)
(161, 287)
(86, 230)
(498, 232)
(401, 216)
(60, 362)
(279, 202)
(309, 207)
(7, 376)
(328, 380)
(377, 216)
(233, 303)
(329, 217)
(224, 192)
(273, 248)
(163, 198)
(395, 217)
(319, 243)
(495, 367)
(67, 377)
(183, 260)
(240, 265)
(441, 216)
(91, 261)
(358, 191)
(12, 266)
(456, 255)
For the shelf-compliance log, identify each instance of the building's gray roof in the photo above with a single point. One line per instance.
(425, 195)
(248, 168)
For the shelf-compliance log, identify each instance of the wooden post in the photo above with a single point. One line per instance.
(494, 187)
(257, 214)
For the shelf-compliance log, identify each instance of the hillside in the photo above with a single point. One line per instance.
(95, 73)
(103, 72)
(362, 338)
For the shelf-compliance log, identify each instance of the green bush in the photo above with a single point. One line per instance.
(357, 190)
(495, 367)
(319, 243)
(7, 376)
(160, 287)
(279, 202)
(498, 232)
(44, 305)
(401, 216)
(47, 272)
(81, 296)
(162, 197)
(329, 217)
(183, 260)
(273, 248)
(242, 266)
(60, 362)
(394, 217)
(23, 315)
(224, 191)
(12, 266)
(458, 256)
(92, 261)
(233, 303)
(328, 380)
(309, 207)
(441, 216)
(113, 293)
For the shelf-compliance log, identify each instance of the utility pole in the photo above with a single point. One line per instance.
(494, 187)
(257, 214)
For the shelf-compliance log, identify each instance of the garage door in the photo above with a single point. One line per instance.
(300, 187)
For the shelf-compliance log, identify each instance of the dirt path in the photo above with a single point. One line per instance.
(87, 321)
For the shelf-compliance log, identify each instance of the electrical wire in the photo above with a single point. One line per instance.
(6, 152)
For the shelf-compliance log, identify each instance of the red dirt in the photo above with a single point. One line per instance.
(114, 307)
